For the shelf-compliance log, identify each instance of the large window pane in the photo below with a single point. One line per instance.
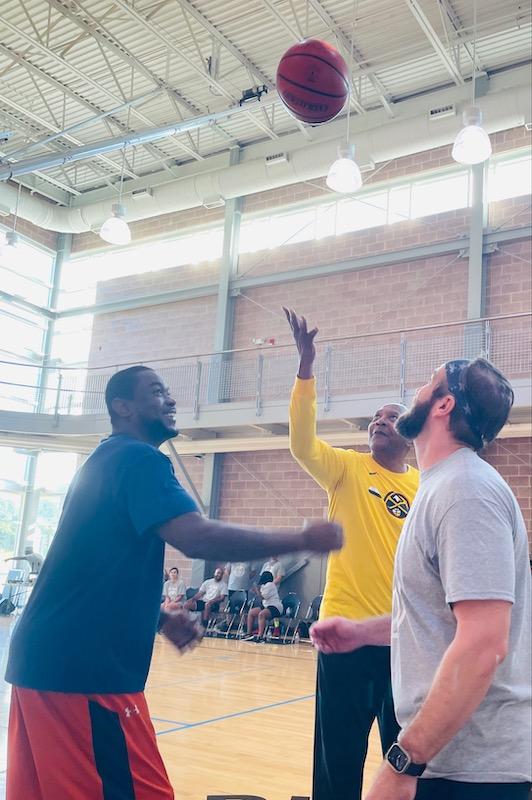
(510, 178)
(80, 275)
(440, 194)
(357, 214)
(26, 270)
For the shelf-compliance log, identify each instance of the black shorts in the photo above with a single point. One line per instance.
(274, 611)
(200, 605)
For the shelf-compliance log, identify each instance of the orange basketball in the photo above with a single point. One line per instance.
(313, 81)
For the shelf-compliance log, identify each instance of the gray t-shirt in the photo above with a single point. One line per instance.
(464, 539)
(239, 576)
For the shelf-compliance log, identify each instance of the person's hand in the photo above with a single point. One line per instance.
(389, 785)
(321, 537)
(337, 635)
(181, 630)
(304, 340)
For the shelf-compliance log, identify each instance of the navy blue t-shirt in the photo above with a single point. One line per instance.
(90, 622)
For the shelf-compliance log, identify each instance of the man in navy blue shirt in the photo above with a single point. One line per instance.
(79, 726)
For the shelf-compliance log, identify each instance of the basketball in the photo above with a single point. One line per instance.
(313, 81)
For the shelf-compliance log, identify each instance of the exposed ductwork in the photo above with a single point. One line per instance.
(393, 139)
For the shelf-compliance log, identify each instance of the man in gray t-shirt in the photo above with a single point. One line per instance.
(461, 620)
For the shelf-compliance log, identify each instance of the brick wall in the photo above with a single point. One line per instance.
(39, 235)
(150, 334)
(383, 298)
(269, 489)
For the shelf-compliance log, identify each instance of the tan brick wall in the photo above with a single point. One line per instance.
(39, 235)
(150, 334)
(382, 298)
(271, 490)
(509, 279)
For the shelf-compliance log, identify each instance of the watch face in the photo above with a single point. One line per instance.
(397, 758)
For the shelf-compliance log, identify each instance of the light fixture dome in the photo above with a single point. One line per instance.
(344, 175)
(115, 229)
(472, 144)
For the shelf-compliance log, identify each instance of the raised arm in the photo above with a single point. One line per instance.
(199, 537)
(322, 461)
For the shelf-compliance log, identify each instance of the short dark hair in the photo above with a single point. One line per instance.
(266, 577)
(172, 569)
(490, 398)
(122, 385)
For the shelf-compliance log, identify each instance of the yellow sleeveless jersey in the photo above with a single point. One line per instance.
(370, 502)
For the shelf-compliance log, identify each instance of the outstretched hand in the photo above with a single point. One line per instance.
(183, 631)
(303, 338)
(337, 635)
(322, 537)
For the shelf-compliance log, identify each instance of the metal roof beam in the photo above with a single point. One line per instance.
(463, 39)
(75, 71)
(158, 32)
(219, 36)
(437, 45)
(57, 131)
(106, 40)
(350, 47)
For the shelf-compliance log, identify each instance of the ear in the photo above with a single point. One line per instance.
(122, 408)
(443, 406)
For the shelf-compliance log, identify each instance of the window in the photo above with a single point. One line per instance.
(440, 194)
(80, 276)
(509, 177)
(26, 270)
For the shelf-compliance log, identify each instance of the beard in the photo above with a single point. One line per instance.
(411, 423)
(158, 431)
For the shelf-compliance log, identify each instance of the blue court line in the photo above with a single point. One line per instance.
(236, 714)
(170, 721)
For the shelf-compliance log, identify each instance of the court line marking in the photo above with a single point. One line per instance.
(169, 721)
(237, 714)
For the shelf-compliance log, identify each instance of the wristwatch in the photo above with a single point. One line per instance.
(400, 761)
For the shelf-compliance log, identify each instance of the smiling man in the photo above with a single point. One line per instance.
(79, 725)
(370, 494)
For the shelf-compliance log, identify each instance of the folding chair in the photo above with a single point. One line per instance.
(312, 615)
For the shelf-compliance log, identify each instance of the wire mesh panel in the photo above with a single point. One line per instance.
(278, 374)
(362, 366)
(427, 350)
(511, 349)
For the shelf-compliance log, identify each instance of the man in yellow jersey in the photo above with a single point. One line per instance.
(370, 494)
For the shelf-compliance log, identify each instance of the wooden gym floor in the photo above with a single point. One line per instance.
(230, 717)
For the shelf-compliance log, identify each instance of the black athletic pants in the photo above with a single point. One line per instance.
(353, 689)
(440, 789)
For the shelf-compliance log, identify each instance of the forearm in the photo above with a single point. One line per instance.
(306, 368)
(220, 540)
(376, 631)
(460, 684)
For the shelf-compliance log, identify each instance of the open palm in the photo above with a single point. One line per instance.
(303, 338)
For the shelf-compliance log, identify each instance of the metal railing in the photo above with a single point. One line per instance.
(377, 363)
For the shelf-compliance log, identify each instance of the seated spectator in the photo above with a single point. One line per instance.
(174, 591)
(209, 597)
(271, 607)
(275, 567)
(238, 577)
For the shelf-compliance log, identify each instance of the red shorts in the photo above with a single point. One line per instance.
(83, 747)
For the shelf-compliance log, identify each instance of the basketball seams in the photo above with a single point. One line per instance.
(317, 58)
(309, 89)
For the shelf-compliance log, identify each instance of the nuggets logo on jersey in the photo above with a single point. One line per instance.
(397, 504)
